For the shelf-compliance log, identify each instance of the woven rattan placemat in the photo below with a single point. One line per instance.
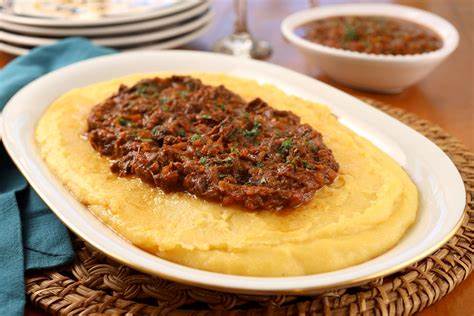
(95, 284)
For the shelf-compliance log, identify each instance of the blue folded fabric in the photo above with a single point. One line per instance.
(31, 236)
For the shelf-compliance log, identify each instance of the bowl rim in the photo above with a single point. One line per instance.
(448, 33)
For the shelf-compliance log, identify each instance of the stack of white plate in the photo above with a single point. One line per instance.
(120, 24)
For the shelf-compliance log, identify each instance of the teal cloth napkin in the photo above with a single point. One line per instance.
(31, 236)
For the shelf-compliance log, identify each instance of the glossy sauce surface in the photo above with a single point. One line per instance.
(181, 135)
(372, 34)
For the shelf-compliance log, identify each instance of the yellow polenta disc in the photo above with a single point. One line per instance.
(362, 214)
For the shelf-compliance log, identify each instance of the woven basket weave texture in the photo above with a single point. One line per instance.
(96, 285)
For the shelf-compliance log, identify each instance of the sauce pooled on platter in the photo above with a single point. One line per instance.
(182, 135)
(372, 35)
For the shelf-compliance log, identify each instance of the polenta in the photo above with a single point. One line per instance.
(363, 213)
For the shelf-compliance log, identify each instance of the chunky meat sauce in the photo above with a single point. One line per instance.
(373, 35)
(181, 135)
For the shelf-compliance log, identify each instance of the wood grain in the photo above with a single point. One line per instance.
(445, 97)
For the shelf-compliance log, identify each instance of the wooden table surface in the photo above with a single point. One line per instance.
(445, 97)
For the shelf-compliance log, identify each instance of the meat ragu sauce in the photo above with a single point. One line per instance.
(372, 34)
(181, 135)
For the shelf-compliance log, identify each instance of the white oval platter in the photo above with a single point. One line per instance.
(442, 195)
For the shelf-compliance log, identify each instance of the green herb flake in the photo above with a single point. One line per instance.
(259, 164)
(222, 176)
(203, 160)
(286, 145)
(233, 134)
(291, 162)
(254, 131)
(227, 160)
(195, 137)
(367, 45)
(164, 100)
(153, 87)
(190, 85)
(234, 150)
(181, 132)
(350, 33)
(313, 147)
(206, 116)
(124, 122)
(155, 130)
(183, 93)
(307, 165)
(131, 103)
(146, 139)
(142, 89)
(165, 108)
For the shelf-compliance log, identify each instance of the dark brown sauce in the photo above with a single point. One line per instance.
(181, 135)
(372, 34)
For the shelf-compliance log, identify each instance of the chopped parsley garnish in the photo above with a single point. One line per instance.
(146, 139)
(350, 33)
(141, 89)
(195, 137)
(234, 150)
(181, 132)
(312, 146)
(286, 145)
(125, 122)
(146, 88)
(164, 100)
(233, 134)
(291, 162)
(206, 116)
(221, 106)
(190, 85)
(183, 93)
(203, 160)
(165, 108)
(259, 164)
(254, 131)
(155, 130)
(367, 45)
(227, 160)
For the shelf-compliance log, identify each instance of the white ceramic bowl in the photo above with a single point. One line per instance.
(383, 73)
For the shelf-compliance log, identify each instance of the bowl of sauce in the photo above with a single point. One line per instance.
(372, 35)
(379, 47)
